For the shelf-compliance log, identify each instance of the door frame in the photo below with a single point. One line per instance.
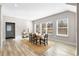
(6, 30)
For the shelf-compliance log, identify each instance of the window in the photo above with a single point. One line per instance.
(62, 27)
(50, 28)
(9, 27)
(37, 28)
(43, 28)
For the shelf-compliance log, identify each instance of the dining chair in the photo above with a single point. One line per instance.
(34, 39)
(45, 39)
(30, 37)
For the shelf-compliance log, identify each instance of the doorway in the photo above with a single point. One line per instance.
(10, 30)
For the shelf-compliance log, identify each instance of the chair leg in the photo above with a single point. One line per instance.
(40, 41)
(44, 42)
(47, 42)
(32, 41)
(36, 42)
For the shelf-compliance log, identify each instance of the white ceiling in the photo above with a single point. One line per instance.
(33, 11)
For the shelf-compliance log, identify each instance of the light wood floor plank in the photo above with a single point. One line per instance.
(15, 48)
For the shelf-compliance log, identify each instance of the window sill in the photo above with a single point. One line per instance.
(62, 35)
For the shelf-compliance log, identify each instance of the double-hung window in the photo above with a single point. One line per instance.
(62, 26)
(44, 28)
(50, 28)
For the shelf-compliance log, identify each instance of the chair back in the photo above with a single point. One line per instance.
(34, 35)
(46, 36)
(30, 36)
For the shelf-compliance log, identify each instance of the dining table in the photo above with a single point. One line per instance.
(39, 38)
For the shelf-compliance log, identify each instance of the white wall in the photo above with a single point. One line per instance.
(20, 25)
(0, 25)
(72, 22)
(78, 29)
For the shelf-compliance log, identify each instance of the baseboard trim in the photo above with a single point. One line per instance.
(69, 43)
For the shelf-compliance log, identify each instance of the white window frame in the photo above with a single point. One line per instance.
(66, 27)
(35, 28)
(47, 28)
(41, 27)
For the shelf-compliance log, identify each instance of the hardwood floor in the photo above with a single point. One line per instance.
(14, 48)
(61, 49)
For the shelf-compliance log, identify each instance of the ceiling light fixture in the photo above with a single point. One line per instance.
(15, 5)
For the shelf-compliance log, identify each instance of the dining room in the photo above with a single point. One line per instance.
(45, 31)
